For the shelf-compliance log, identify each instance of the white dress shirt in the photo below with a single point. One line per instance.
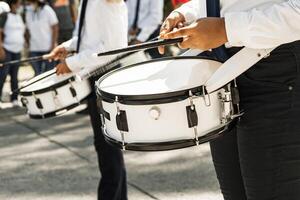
(14, 31)
(150, 16)
(105, 28)
(39, 24)
(253, 23)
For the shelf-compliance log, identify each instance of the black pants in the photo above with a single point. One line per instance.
(260, 158)
(113, 184)
(12, 70)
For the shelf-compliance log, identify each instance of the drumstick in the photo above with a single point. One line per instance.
(143, 46)
(31, 59)
(31, 83)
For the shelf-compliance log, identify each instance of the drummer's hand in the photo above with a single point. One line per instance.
(58, 53)
(174, 21)
(62, 68)
(205, 34)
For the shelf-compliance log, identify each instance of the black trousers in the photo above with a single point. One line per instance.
(113, 184)
(260, 158)
(12, 70)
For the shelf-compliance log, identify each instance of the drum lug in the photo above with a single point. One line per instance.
(56, 99)
(122, 124)
(73, 91)
(24, 102)
(235, 96)
(226, 106)
(206, 96)
(38, 104)
(192, 117)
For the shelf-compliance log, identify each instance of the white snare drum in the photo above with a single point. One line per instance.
(163, 105)
(53, 95)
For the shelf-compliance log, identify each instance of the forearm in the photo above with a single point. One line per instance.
(55, 30)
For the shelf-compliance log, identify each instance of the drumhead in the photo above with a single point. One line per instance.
(45, 84)
(157, 78)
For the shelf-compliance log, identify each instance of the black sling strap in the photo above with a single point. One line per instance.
(136, 18)
(81, 22)
(213, 10)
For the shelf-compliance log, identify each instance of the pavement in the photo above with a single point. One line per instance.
(55, 159)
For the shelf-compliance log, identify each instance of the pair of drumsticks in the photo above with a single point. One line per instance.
(133, 48)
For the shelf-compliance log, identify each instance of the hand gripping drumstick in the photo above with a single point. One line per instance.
(31, 59)
(143, 46)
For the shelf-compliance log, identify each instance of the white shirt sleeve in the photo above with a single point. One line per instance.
(71, 44)
(193, 10)
(151, 23)
(115, 37)
(271, 27)
(52, 18)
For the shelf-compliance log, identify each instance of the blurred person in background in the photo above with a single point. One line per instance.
(102, 26)
(177, 3)
(42, 27)
(144, 20)
(12, 33)
(66, 13)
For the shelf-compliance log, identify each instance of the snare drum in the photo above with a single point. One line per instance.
(162, 104)
(53, 95)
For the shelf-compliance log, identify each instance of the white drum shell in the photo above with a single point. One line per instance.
(171, 125)
(53, 102)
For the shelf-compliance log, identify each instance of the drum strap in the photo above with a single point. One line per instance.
(235, 66)
(81, 22)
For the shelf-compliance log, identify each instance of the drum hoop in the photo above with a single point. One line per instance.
(53, 114)
(47, 89)
(150, 98)
(172, 145)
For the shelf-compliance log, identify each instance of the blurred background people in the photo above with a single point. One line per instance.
(12, 33)
(42, 27)
(144, 20)
(66, 12)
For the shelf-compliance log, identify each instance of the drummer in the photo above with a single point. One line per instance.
(259, 160)
(102, 26)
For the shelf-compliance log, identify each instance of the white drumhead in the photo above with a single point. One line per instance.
(45, 82)
(160, 76)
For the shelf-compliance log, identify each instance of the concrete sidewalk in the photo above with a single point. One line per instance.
(55, 159)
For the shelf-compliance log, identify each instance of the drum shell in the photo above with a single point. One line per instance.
(56, 99)
(171, 125)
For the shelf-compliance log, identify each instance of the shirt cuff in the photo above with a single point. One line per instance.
(73, 63)
(70, 45)
(236, 24)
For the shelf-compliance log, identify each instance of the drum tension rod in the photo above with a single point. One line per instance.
(121, 120)
(206, 99)
(192, 117)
